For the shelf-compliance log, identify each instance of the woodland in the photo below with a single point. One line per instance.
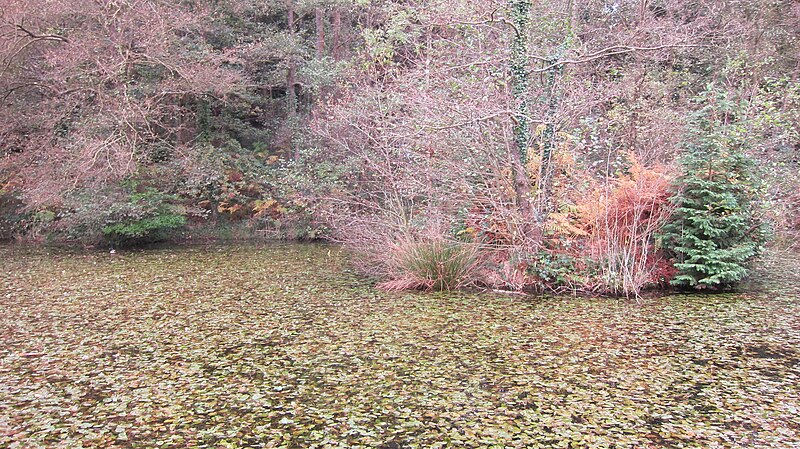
(335, 224)
(592, 146)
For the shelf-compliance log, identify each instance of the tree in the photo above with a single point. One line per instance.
(491, 112)
(715, 230)
(520, 84)
(102, 89)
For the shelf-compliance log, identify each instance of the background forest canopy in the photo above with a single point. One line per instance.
(594, 145)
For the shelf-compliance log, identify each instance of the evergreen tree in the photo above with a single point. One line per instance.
(716, 228)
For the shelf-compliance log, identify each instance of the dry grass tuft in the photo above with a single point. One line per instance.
(431, 264)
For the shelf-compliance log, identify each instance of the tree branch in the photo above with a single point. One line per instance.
(42, 37)
(609, 51)
(482, 119)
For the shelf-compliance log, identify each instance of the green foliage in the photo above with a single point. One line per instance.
(382, 45)
(147, 216)
(554, 268)
(716, 229)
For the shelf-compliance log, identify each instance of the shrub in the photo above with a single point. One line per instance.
(623, 218)
(148, 216)
(560, 272)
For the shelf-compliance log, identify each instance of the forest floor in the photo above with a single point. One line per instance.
(281, 346)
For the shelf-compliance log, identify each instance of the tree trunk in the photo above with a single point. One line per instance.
(549, 136)
(291, 79)
(522, 191)
(520, 78)
(336, 43)
(291, 72)
(520, 81)
(319, 20)
(642, 11)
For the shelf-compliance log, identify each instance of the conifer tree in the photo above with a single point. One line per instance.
(715, 230)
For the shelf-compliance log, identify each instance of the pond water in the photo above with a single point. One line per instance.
(281, 346)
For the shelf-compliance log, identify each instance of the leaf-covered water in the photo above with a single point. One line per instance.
(279, 346)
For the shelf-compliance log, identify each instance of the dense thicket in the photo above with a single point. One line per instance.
(196, 101)
(539, 138)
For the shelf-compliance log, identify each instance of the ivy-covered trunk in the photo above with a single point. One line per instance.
(551, 99)
(520, 82)
(520, 79)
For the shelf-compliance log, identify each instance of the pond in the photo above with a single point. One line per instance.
(282, 346)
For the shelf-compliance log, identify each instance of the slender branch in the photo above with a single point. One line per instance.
(42, 37)
(9, 59)
(610, 51)
(513, 115)
(491, 19)
(7, 93)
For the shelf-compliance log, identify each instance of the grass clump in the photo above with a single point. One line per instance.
(431, 265)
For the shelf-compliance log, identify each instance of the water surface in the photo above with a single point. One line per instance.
(281, 346)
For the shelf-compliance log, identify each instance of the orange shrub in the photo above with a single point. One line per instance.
(622, 217)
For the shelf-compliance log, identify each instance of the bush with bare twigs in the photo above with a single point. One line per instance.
(623, 217)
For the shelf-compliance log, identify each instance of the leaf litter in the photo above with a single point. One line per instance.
(280, 346)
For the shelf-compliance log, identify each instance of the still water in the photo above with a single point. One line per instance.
(283, 346)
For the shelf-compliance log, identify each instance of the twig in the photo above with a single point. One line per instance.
(506, 292)
(513, 115)
(42, 37)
